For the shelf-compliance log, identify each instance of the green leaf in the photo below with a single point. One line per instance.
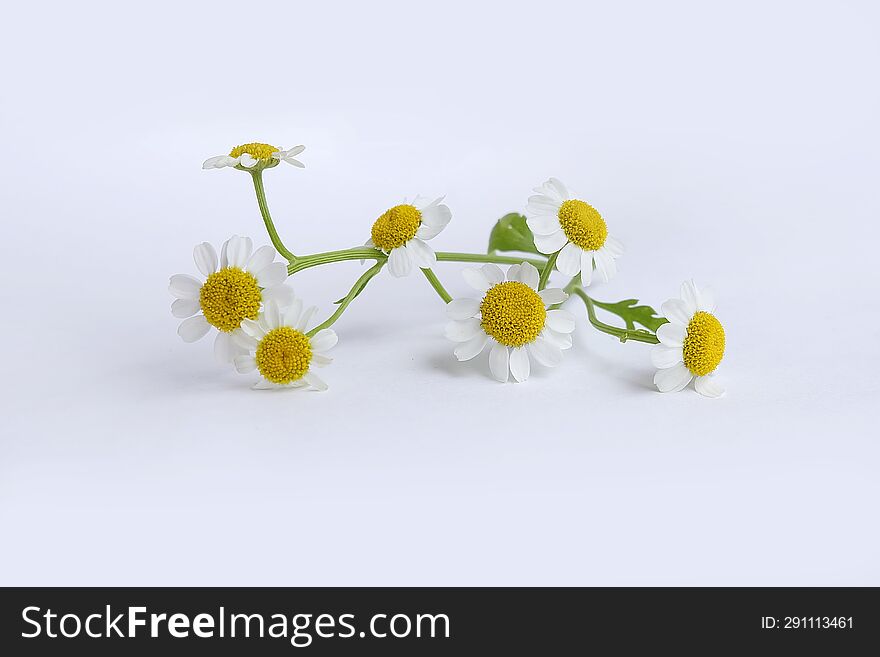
(632, 314)
(512, 234)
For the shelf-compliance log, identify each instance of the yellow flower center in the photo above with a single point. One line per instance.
(396, 227)
(704, 344)
(583, 225)
(256, 150)
(228, 297)
(283, 355)
(513, 313)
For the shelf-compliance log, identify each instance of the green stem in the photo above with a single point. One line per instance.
(623, 335)
(368, 253)
(436, 284)
(445, 256)
(257, 176)
(356, 289)
(325, 258)
(546, 271)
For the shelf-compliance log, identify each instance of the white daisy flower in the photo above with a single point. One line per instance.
(575, 229)
(691, 344)
(513, 317)
(401, 233)
(247, 155)
(227, 295)
(278, 347)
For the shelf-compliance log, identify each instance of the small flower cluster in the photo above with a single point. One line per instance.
(263, 327)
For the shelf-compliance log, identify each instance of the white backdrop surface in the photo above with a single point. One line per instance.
(737, 144)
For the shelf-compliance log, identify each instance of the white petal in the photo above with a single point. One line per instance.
(238, 250)
(263, 384)
(706, 300)
(493, 273)
(206, 258)
(614, 246)
(420, 253)
(708, 386)
(569, 260)
(247, 160)
(550, 243)
(252, 328)
(543, 224)
(426, 232)
(182, 308)
(244, 341)
(305, 318)
(294, 162)
(281, 294)
(225, 348)
(561, 340)
(273, 275)
(673, 378)
(218, 162)
(689, 296)
(542, 205)
(436, 215)
(672, 335)
(463, 308)
(552, 295)
(499, 362)
(399, 262)
(586, 268)
(545, 352)
(664, 357)
(261, 258)
(476, 279)
(321, 360)
(513, 272)
(245, 363)
(560, 321)
(519, 364)
(292, 313)
(463, 330)
(315, 381)
(272, 315)
(324, 340)
(469, 349)
(556, 184)
(605, 266)
(294, 150)
(675, 310)
(193, 328)
(184, 286)
(528, 274)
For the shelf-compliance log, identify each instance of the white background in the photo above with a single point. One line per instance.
(735, 143)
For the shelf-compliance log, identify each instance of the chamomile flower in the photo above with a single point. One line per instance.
(691, 344)
(512, 317)
(232, 289)
(248, 155)
(401, 233)
(278, 347)
(575, 229)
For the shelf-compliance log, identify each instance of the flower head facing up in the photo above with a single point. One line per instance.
(575, 229)
(277, 346)
(255, 156)
(401, 232)
(691, 344)
(512, 313)
(233, 289)
(513, 317)
(229, 296)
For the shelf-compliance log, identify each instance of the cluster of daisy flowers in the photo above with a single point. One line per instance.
(243, 295)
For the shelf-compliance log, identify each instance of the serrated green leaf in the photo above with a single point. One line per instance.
(511, 233)
(632, 314)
